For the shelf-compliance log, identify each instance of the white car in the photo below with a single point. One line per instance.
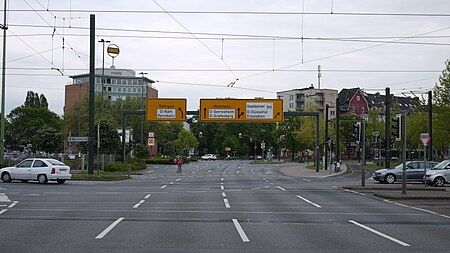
(209, 157)
(439, 175)
(39, 169)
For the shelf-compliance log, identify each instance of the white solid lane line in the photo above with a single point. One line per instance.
(308, 201)
(3, 211)
(240, 230)
(147, 196)
(281, 188)
(108, 229)
(379, 233)
(13, 204)
(164, 186)
(227, 204)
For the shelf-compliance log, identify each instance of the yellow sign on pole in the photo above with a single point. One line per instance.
(241, 110)
(165, 109)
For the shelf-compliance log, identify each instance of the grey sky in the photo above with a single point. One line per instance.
(369, 63)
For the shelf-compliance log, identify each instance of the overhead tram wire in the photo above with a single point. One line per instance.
(62, 36)
(239, 12)
(220, 35)
(185, 28)
(343, 53)
(214, 85)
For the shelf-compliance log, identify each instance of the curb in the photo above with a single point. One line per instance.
(406, 196)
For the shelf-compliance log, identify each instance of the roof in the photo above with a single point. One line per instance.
(377, 100)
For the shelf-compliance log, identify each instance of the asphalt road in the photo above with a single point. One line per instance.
(215, 206)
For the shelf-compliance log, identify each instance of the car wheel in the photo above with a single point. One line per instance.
(60, 181)
(390, 178)
(6, 178)
(42, 179)
(439, 181)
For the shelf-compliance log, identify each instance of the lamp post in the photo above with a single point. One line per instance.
(103, 66)
(142, 104)
(4, 27)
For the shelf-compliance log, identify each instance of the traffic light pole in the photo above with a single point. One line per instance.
(326, 137)
(403, 134)
(388, 127)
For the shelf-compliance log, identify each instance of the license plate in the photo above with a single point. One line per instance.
(62, 169)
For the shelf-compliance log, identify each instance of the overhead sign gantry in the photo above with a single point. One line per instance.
(241, 110)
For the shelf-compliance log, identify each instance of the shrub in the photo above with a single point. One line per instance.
(120, 167)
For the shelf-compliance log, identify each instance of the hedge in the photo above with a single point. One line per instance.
(120, 167)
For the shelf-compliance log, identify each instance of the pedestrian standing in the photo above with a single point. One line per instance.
(179, 165)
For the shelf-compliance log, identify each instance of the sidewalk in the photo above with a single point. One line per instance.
(300, 170)
(386, 191)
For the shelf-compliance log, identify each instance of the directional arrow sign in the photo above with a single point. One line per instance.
(165, 109)
(241, 110)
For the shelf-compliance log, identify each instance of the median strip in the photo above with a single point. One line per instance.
(108, 229)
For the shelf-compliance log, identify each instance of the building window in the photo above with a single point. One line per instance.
(129, 89)
(124, 81)
(358, 98)
(291, 97)
(119, 89)
(109, 88)
(108, 80)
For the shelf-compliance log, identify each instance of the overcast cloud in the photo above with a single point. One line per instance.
(373, 65)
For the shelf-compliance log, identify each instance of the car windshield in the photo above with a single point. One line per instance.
(56, 162)
(442, 165)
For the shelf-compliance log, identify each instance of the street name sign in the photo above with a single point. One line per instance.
(165, 109)
(78, 138)
(241, 110)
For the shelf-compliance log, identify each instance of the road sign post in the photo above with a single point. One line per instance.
(425, 139)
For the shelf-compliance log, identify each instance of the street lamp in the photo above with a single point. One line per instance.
(103, 66)
(142, 104)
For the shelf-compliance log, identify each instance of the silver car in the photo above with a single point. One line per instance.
(439, 175)
(39, 169)
(415, 171)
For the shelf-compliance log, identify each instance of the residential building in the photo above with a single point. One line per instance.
(356, 101)
(309, 98)
(117, 84)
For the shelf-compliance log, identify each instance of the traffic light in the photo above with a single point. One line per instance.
(240, 135)
(200, 134)
(356, 132)
(397, 127)
(384, 142)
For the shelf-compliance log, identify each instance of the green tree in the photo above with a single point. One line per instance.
(49, 139)
(26, 122)
(441, 112)
(186, 141)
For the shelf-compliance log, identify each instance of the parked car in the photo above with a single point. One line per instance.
(439, 175)
(39, 169)
(415, 171)
(209, 157)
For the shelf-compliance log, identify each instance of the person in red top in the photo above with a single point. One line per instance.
(179, 165)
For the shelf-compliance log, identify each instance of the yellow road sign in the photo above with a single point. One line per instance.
(241, 110)
(165, 109)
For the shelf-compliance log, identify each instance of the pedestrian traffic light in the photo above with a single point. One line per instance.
(356, 132)
(396, 127)
(240, 135)
(200, 134)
